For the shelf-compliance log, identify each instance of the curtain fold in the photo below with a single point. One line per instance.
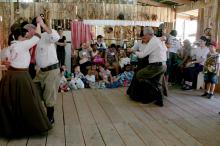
(80, 33)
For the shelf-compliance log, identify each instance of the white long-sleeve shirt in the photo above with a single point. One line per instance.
(18, 53)
(200, 54)
(139, 46)
(155, 49)
(46, 54)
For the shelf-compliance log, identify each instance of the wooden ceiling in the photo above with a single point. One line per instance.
(164, 3)
(157, 3)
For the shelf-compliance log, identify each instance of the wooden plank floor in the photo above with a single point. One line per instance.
(100, 117)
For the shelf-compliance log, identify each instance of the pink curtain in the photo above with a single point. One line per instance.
(80, 33)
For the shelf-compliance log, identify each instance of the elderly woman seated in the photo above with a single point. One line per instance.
(195, 66)
(85, 58)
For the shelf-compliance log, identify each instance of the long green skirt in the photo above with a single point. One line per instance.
(21, 109)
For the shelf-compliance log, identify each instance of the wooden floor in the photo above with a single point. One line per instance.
(99, 117)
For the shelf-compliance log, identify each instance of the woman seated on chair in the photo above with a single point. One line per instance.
(193, 68)
(85, 58)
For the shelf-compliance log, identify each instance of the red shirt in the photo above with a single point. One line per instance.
(32, 52)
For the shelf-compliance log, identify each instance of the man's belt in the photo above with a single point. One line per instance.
(51, 67)
(158, 63)
(17, 69)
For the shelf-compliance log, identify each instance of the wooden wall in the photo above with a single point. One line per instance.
(84, 10)
(209, 17)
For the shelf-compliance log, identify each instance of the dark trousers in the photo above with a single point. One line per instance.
(172, 67)
(32, 70)
(191, 73)
(61, 57)
(83, 67)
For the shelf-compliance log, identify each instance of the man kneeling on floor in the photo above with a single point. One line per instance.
(152, 73)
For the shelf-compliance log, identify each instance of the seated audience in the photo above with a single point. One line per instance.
(126, 77)
(95, 72)
(123, 59)
(101, 46)
(77, 79)
(193, 68)
(105, 75)
(183, 57)
(90, 79)
(111, 58)
(85, 58)
(63, 87)
(96, 56)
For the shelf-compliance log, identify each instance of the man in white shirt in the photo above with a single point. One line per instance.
(48, 77)
(157, 61)
(174, 46)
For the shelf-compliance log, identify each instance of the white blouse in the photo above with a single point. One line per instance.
(200, 54)
(18, 53)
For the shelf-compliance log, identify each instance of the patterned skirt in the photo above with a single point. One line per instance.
(21, 109)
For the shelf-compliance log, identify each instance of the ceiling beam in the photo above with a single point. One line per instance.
(152, 3)
(180, 1)
(193, 6)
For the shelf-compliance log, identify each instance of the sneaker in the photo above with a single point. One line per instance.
(210, 95)
(205, 94)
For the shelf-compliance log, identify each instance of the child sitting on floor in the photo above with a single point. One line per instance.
(63, 87)
(107, 78)
(95, 72)
(105, 74)
(97, 56)
(66, 73)
(90, 79)
(211, 70)
(77, 79)
(123, 59)
(126, 77)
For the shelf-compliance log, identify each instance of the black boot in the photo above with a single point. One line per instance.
(50, 114)
(159, 96)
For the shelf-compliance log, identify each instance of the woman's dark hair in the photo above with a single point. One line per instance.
(34, 21)
(99, 37)
(92, 45)
(23, 24)
(112, 46)
(10, 39)
(16, 33)
(173, 33)
(203, 38)
(159, 33)
(19, 32)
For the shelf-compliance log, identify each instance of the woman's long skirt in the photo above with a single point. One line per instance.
(21, 109)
